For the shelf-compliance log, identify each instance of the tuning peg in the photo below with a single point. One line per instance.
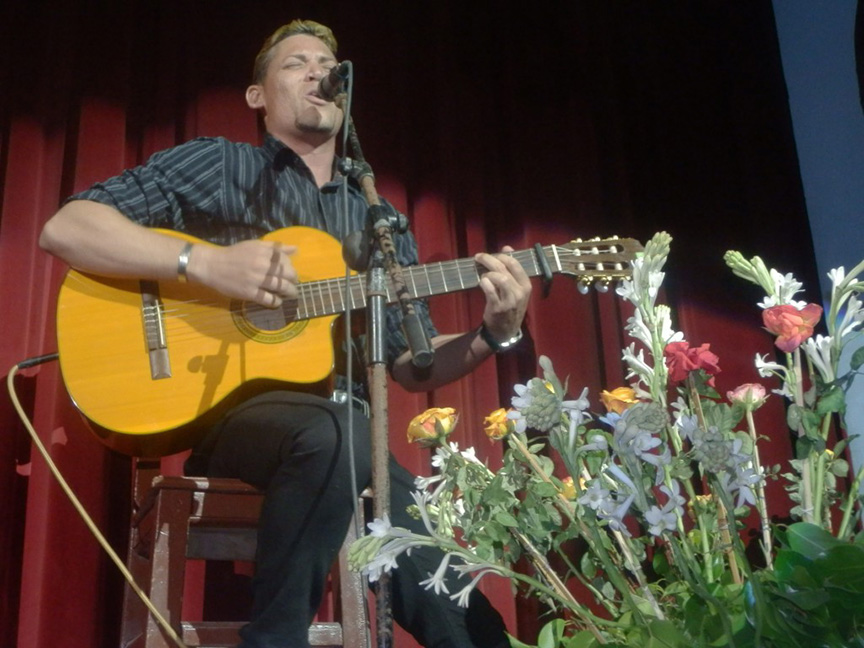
(602, 285)
(583, 287)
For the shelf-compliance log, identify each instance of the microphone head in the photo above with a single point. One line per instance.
(333, 83)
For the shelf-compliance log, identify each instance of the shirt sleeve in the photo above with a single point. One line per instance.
(186, 179)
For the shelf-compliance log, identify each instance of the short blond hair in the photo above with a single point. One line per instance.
(309, 27)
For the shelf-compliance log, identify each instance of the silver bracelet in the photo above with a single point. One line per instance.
(494, 344)
(183, 262)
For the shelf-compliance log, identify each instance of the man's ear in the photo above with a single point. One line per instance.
(254, 97)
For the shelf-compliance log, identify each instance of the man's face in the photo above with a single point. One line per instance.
(289, 92)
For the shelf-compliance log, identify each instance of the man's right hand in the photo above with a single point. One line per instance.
(257, 271)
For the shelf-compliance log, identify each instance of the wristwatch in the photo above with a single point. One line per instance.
(495, 345)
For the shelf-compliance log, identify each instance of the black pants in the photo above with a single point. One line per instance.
(295, 448)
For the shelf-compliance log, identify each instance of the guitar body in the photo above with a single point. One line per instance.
(216, 350)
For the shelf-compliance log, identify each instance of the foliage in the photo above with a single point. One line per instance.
(646, 518)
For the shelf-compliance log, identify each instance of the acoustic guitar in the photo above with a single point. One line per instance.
(149, 363)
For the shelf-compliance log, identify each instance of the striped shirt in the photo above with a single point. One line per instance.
(225, 192)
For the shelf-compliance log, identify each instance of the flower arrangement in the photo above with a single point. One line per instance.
(638, 540)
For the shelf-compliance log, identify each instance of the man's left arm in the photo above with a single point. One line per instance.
(507, 289)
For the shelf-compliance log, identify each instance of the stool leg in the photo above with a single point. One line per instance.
(352, 595)
(168, 562)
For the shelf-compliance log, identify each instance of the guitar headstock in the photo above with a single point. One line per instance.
(598, 261)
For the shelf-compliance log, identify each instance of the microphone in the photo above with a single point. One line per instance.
(333, 83)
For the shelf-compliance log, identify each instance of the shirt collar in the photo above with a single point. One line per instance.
(280, 156)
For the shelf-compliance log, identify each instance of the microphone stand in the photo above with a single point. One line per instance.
(383, 267)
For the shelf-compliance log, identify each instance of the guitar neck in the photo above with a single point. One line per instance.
(329, 296)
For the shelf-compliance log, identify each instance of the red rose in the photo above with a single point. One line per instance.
(681, 359)
(790, 325)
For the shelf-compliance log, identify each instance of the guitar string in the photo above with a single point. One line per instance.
(444, 275)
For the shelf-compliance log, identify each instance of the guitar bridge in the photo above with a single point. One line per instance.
(155, 342)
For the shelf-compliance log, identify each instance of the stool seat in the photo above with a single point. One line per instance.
(181, 518)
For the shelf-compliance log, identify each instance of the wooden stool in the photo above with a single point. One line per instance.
(182, 518)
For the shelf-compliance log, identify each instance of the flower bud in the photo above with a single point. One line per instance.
(750, 396)
(432, 426)
(568, 488)
(497, 425)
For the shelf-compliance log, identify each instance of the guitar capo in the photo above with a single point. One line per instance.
(545, 269)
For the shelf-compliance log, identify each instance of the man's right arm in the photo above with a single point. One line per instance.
(96, 238)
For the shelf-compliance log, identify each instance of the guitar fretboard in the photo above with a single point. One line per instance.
(328, 297)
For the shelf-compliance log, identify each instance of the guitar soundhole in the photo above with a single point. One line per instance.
(269, 325)
(270, 319)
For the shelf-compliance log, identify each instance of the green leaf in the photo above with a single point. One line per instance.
(582, 639)
(834, 400)
(810, 540)
(503, 517)
(586, 563)
(807, 444)
(857, 359)
(551, 634)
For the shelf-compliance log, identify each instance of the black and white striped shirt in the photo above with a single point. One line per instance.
(225, 192)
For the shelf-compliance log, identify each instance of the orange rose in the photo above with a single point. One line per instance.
(619, 399)
(432, 426)
(497, 425)
(790, 325)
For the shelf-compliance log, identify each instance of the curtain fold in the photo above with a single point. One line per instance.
(487, 128)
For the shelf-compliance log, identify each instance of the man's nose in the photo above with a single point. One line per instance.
(315, 72)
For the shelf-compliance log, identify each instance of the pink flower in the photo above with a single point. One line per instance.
(750, 396)
(681, 359)
(790, 325)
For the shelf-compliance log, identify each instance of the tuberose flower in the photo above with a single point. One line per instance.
(681, 359)
(432, 426)
(619, 399)
(498, 425)
(791, 325)
(749, 395)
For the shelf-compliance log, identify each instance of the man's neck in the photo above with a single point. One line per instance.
(317, 155)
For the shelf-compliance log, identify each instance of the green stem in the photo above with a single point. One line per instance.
(761, 500)
(588, 533)
(808, 513)
(851, 498)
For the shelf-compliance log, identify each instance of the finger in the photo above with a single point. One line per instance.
(517, 271)
(268, 299)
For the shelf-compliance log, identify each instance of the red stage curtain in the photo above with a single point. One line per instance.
(486, 127)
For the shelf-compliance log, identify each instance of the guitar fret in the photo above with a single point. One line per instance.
(443, 276)
(305, 310)
(321, 299)
(410, 272)
(557, 258)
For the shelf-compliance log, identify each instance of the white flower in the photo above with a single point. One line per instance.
(637, 365)
(436, 582)
(667, 333)
(379, 528)
(785, 288)
(767, 369)
(637, 328)
(422, 483)
(819, 352)
(837, 276)
(852, 317)
(462, 596)
(595, 495)
(626, 289)
(470, 456)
